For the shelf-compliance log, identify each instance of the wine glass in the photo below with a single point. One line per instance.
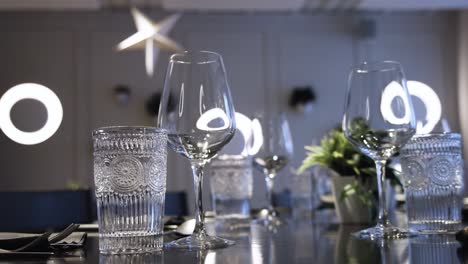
(379, 119)
(202, 124)
(272, 151)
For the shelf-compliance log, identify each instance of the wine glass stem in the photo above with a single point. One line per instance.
(383, 214)
(269, 190)
(197, 169)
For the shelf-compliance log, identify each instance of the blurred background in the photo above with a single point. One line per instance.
(270, 48)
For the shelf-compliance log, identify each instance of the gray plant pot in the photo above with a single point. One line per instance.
(350, 210)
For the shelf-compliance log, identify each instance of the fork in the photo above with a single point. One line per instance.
(63, 234)
(40, 243)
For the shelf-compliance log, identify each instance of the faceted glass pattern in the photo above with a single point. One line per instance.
(432, 174)
(231, 186)
(130, 179)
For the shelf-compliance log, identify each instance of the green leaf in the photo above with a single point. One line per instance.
(355, 188)
(338, 154)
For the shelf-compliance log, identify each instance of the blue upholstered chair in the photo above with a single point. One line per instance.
(53, 210)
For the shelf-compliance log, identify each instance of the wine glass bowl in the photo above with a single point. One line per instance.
(378, 120)
(203, 123)
(274, 152)
(379, 143)
(270, 165)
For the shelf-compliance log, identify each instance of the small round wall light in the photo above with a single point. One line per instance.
(36, 92)
(302, 99)
(152, 104)
(122, 94)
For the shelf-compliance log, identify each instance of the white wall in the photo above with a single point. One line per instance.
(265, 56)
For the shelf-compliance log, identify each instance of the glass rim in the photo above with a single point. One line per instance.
(273, 112)
(179, 57)
(106, 130)
(377, 66)
(229, 157)
(423, 142)
(441, 134)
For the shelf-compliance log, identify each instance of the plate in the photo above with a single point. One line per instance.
(328, 198)
(89, 227)
(399, 197)
(12, 235)
(25, 255)
(15, 240)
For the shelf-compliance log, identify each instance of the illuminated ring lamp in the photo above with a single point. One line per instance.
(210, 115)
(257, 137)
(431, 102)
(417, 89)
(392, 91)
(36, 92)
(244, 125)
(251, 130)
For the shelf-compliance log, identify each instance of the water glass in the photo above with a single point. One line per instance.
(301, 194)
(142, 258)
(130, 179)
(434, 249)
(432, 174)
(231, 186)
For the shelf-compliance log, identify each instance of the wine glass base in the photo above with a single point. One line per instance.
(269, 220)
(387, 232)
(196, 242)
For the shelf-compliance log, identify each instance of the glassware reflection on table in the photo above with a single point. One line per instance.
(231, 187)
(379, 119)
(432, 249)
(271, 131)
(302, 190)
(203, 123)
(141, 258)
(432, 174)
(322, 211)
(130, 180)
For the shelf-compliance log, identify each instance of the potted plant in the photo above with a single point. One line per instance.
(353, 176)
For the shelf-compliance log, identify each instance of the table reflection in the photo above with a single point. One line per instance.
(142, 258)
(425, 249)
(434, 249)
(298, 241)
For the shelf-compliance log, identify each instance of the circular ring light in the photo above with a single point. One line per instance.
(431, 102)
(417, 89)
(36, 92)
(244, 125)
(257, 137)
(210, 115)
(391, 91)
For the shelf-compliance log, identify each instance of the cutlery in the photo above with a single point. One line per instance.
(184, 229)
(462, 236)
(63, 234)
(41, 243)
(21, 243)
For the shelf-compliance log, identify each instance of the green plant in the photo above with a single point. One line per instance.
(338, 154)
(74, 185)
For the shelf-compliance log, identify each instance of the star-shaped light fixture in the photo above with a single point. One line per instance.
(149, 34)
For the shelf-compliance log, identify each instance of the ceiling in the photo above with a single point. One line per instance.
(237, 5)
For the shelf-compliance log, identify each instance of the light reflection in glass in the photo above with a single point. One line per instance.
(419, 90)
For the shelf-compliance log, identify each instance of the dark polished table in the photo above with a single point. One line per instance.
(296, 241)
